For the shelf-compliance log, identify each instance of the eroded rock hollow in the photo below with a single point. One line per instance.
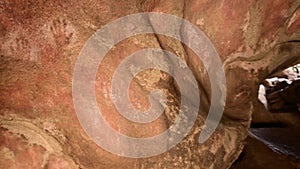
(40, 42)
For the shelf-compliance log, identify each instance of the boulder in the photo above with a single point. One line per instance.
(41, 40)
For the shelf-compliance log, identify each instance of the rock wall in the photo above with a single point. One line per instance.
(41, 40)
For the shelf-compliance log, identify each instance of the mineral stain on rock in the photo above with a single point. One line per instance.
(25, 145)
(40, 42)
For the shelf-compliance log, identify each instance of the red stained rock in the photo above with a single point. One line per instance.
(294, 22)
(58, 162)
(19, 152)
(40, 42)
(222, 21)
(274, 14)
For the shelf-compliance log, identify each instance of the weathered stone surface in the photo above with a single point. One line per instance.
(41, 40)
(25, 145)
(294, 22)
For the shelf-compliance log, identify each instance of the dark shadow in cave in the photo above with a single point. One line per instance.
(275, 142)
(280, 95)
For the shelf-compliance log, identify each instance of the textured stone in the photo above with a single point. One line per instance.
(41, 40)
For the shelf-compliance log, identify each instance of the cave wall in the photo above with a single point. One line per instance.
(41, 40)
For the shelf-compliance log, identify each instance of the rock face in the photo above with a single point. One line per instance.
(41, 40)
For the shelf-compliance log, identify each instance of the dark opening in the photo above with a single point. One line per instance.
(281, 93)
